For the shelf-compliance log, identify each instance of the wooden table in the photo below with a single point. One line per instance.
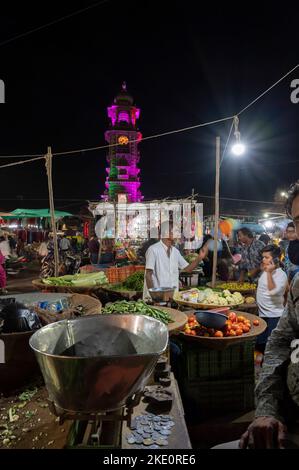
(179, 438)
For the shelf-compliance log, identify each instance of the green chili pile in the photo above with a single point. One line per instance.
(137, 308)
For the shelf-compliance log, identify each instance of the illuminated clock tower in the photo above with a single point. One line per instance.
(122, 182)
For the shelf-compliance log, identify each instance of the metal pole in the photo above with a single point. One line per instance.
(52, 210)
(217, 182)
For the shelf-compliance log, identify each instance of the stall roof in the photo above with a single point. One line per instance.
(31, 213)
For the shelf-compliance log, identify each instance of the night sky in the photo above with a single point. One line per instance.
(183, 65)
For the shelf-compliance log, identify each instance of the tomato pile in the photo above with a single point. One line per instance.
(235, 325)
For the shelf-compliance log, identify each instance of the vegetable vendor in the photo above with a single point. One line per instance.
(251, 255)
(164, 262)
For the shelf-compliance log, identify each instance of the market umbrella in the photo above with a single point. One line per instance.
(32, 213)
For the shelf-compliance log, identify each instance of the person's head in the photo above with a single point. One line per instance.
(245, 236)
(292, 205)
(271, 254)
(166, 233)
(291, 231)
(265, 238)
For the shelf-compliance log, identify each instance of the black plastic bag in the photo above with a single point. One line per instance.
(17, 318)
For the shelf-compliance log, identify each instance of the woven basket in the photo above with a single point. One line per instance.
(66, 289)
(91, 306)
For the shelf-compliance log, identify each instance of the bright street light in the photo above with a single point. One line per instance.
(283, 194)
(238, 149)
(266, 215)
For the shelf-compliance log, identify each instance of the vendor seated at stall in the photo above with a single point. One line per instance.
(164, 262)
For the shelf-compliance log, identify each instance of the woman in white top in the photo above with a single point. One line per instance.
(270, 292)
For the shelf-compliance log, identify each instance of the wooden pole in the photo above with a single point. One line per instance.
(52, 210)
(217, 182)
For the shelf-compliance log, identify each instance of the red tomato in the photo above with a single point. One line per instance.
(218, 334)
(256, 322)
(232, 316)
(241, 319)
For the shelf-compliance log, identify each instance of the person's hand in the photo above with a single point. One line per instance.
(269, 268)
(264, 432)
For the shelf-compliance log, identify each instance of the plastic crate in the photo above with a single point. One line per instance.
(125, 272)
(200, 364)
(212, 398)
(139, 268)
(112, 275)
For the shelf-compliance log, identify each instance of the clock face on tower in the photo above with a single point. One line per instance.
(123, 140)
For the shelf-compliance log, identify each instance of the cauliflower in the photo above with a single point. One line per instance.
(226, 293)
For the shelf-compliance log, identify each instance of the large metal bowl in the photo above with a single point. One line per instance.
(96, 363)
(211, 319)
(161, 294)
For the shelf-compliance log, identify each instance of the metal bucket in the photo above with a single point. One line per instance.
(18, 366)
(96, 363)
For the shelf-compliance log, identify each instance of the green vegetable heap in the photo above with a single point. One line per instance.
(78, 280)
(137, 308)
(135, 281)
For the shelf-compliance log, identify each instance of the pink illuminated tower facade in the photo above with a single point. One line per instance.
(122, 182)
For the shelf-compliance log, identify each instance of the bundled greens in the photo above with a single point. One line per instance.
(78, 280)
(135, 281)
(137, 308)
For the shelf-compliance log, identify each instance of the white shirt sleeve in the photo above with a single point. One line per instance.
(182, 262)
(280, 281)
(150, 258)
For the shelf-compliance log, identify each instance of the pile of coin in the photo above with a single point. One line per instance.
(150, 431)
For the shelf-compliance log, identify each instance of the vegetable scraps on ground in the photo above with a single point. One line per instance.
(137, 308)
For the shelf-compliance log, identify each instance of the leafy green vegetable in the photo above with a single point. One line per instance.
(78, 280)
(135, 281)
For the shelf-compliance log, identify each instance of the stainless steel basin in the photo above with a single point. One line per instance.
(162, 294)
(96, 363)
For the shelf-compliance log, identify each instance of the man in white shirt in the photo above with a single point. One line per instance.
(164, 263)
(270, 292)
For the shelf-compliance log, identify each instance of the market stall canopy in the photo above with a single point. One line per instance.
(34, 213)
